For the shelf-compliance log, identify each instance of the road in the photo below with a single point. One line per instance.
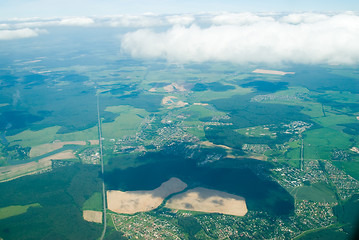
(102, 168)
(302, 156)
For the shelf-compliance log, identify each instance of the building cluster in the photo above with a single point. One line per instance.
(276, 97)
(90, 155)
(314, 215)
(346, 186)
(256, 148)
(145, 226)
(156, 135)
(296, 127)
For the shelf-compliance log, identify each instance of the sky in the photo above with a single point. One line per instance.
(61, 8)
(245, 32)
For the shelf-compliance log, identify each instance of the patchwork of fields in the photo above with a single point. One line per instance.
(273, 138)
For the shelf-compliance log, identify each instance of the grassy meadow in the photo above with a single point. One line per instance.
(11, 211)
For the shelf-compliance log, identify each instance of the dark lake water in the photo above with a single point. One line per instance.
(260, 194)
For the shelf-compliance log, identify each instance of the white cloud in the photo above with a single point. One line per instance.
(134, 21)
(234, 37)
(77, 21)
(4, 26)
(48, 22)
(26, 28)
(127, 21)
(180, 19)
(34, 24)
(18, 33)
(303, 38)
(239, 19)
(297, 18)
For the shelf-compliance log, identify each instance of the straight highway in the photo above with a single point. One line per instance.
(102, 168)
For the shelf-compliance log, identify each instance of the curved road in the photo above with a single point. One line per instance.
(102, 169)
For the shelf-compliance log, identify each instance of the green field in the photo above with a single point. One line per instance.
(313, 109)
(317, 152)
(317, 192)
(258, 131)
(94, 202)
(293, 154)
(197, 111)
(125, 109)
(341, 96)
(294, 163)
(15, 210)
(327, 137)
(206, 96)
(333, 119)
(126, 124)
(31, 138)
(84, 135)
(351, 168)
(319, 143)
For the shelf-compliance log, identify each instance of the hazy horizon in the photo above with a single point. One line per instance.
(56, 8)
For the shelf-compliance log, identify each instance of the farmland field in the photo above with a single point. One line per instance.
(280, 142)
(10, 211)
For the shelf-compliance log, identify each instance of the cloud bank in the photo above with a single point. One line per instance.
(32, 27)
(305, 38)
(18, 33)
